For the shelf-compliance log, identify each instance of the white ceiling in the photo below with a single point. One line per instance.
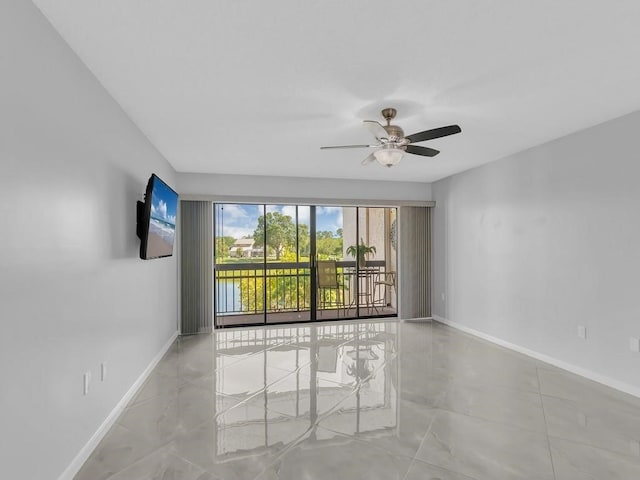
(256, 87)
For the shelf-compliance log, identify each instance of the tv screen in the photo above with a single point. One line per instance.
(157, 229)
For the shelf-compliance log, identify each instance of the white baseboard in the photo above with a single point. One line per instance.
(583, 372)
(96, 438)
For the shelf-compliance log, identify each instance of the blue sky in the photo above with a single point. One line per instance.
(164, 203)
(240, 220)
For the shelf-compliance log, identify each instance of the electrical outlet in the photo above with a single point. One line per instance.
(103, 371)
(582, 332)
(634, 344)
(86, 380)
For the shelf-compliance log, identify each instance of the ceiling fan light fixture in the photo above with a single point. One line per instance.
(389, 155)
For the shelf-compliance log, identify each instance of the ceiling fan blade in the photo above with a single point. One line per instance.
(350, 146)
(378, 130)
(434, 133)
(368, 160)
(424, 151)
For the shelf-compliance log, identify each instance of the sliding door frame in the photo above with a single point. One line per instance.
(313, 315)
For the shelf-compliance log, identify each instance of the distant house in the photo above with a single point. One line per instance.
(244, 248)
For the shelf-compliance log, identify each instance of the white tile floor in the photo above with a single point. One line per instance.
(366, 400)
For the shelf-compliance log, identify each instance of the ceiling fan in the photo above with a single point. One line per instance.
(392, 144)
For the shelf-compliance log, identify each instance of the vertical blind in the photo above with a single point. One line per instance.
(196, 248)
(415, 262)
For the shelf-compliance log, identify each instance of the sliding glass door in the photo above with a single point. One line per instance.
(294, 263)
(287, 263)
(239, 267)
(369, 261)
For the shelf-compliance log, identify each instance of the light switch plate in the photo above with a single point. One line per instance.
(582, 419)
(582, 332)
(634, 344)
(86, 379)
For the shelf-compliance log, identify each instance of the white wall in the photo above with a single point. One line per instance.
(227, 186)
(531, 246)
(72, 291)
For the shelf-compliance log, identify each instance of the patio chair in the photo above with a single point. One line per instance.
(328, 281)
(383, 285)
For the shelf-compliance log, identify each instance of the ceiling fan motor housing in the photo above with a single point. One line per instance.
(394, 131)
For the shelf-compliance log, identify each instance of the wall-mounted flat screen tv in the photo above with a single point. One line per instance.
(157, 220)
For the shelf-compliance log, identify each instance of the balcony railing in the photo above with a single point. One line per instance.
(253, 288)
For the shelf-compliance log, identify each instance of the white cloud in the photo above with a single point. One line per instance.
(233, 211)
(329, 210)
(160, 211)
(329, 218)
(289, 210)
(236, 232)
(236, 220)
(274, 208)
(303, 213)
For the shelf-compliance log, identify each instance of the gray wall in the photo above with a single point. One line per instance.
(72, 291)
(531, 246)
(226, 186)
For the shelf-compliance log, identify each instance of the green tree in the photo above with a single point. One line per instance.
(327, 245)
(280, 232)
(223, 244)
(284, 289)
(303, 240)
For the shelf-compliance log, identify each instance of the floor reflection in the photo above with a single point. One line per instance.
(381, 399)
(273, 386)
